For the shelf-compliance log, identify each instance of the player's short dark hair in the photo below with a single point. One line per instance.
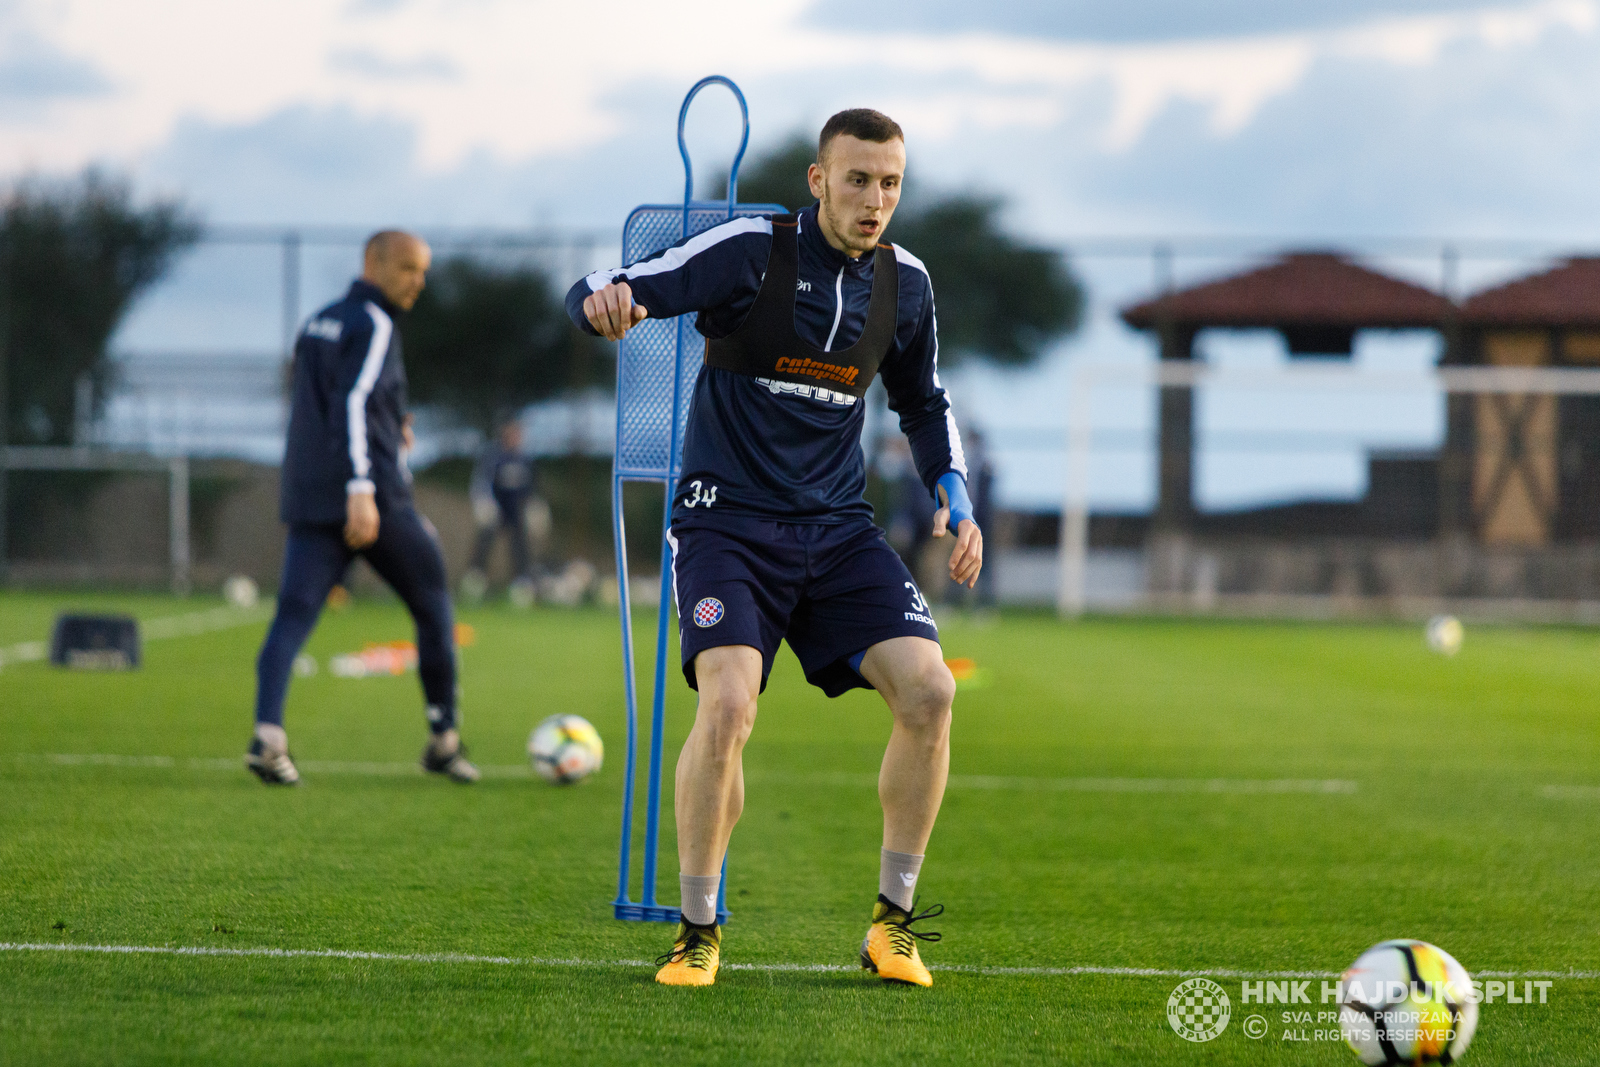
(862, 123)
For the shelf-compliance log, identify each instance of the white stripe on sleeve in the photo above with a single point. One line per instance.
(356, 402)
(674, 258)
(902, 256)
(958, 458)
(673, 541)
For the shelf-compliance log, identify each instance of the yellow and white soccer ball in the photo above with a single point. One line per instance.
(1407, 1001)
(565, 749)
(1444, 634)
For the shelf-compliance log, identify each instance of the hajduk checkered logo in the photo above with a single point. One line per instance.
(708, 612)
(1198, 1009)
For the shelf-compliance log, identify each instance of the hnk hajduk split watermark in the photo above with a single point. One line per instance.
(1200, 1009)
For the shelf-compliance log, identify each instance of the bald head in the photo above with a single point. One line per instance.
(397, 263)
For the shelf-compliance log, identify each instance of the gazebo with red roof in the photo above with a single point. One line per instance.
(1564, 298)
(1533, 460)
(1316, 300)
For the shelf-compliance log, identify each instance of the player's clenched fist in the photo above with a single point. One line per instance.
(612, 311)
(361, 520)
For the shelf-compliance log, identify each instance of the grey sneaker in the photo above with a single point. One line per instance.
(453, 763)
(273, 766)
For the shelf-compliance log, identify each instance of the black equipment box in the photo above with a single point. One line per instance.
(95, 642)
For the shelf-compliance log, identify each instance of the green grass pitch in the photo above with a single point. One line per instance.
(1473, 821)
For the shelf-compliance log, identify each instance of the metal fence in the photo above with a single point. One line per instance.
(202, 360)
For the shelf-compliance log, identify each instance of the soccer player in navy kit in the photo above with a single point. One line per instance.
(771, 537)
(502, 481)
(346, 492)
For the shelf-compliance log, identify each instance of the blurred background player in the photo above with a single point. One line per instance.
(910, 510)
(503, 484)
(980, 480)
(909, 522)
(346, 492)
(771, 537)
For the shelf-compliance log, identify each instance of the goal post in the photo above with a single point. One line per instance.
(176, 469)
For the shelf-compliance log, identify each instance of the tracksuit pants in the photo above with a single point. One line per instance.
(511, 519)
(406, 555)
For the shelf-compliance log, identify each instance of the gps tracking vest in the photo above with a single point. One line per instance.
(766, 346)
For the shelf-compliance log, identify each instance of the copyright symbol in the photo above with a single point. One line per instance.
(1255, 1027)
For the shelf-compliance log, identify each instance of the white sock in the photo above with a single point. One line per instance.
(699, 898)
(272, 736)
(897, 877)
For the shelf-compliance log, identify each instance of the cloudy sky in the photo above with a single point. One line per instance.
(1308, 119)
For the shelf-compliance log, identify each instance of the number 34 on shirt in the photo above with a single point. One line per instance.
(701, 497)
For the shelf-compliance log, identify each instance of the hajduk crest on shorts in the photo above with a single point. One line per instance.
(708, 612)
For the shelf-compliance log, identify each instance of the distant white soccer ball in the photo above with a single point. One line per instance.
(522, 593)
(565, 749)
(1407, 1001)
(241, 591)
(1444, 634)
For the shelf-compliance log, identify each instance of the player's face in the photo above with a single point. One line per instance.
(401, 272)
(858, 183)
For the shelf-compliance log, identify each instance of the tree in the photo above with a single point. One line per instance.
(484, 341)
(776, 177)
(998, 298)
(73, 257)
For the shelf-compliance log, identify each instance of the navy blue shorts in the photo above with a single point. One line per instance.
(830, 591)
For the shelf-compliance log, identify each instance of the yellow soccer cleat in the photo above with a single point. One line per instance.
(890, 948)
(695, 956)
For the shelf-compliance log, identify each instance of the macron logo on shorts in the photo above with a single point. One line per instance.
(708, 612)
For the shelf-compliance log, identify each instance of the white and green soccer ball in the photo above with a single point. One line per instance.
(565, 749)
(1407, 1001)
(1444, 634)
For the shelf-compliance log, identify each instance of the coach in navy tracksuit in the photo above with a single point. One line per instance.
(771, 538)
(346, 492)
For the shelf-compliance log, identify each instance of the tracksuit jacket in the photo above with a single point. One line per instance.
(347, 411)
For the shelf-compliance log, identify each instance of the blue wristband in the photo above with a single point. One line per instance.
(955, 491)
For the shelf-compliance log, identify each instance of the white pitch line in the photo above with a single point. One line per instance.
(205, 622)
(536, 961)
(1089, 785)
(276, 953)
(220, 763)
(95, 759)
(1571, 792)
(186, 625)
(1158, 785)
(1312, 786)
(26, 652)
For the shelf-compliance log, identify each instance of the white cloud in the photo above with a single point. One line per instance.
(1418, 41)
(519, 79)
(365, 63)
(1230, 78)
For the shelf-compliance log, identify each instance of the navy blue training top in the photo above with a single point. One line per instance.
(347, 411)
(506, 477)
(778, 450)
